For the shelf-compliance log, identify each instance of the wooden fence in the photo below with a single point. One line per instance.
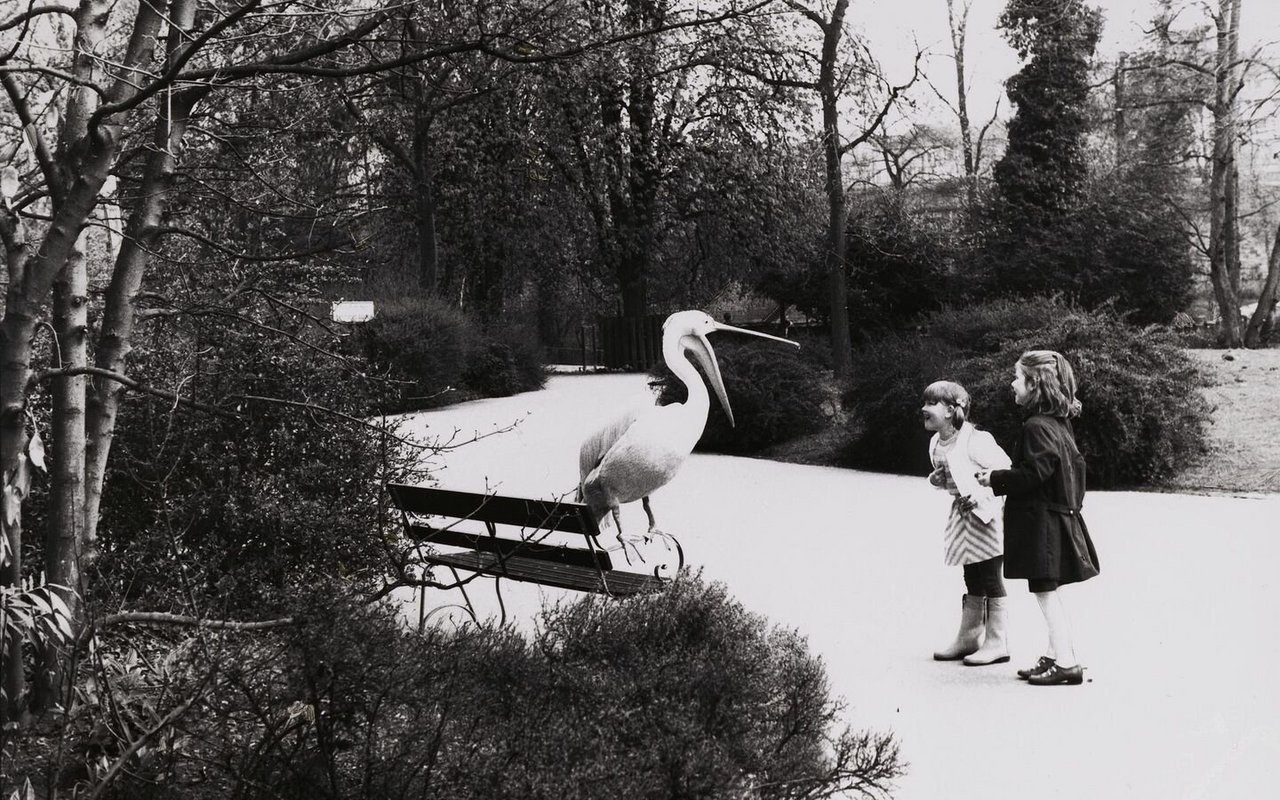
(633, 343)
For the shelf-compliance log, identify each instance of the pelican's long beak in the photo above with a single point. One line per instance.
(698, 346)
(720, 326)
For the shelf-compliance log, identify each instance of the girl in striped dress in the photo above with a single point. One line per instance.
(974, 537)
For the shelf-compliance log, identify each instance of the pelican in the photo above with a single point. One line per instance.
(639, 452)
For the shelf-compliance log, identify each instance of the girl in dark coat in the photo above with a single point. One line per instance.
(1046, 541)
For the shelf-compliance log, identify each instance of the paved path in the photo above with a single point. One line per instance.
(1180, 632)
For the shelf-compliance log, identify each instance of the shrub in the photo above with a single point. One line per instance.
(1143, 416)
(903, 259)
(776, 395)
(226, 511)
(884, 398)
(506, 363)
(423, 342)
(443, 357)
(678, 694)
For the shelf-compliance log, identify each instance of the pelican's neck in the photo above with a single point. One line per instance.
(679, 364)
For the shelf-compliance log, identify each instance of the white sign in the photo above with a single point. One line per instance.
(352, 311)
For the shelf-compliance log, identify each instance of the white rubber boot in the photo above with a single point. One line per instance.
(995, 647)
(972, 608)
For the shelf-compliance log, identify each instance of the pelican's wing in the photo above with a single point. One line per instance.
(599, 443)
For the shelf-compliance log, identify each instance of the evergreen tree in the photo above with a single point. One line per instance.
(1044, 170)
(1042, 178)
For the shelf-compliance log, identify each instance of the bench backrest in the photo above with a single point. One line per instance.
(501, 510)
(533, 517)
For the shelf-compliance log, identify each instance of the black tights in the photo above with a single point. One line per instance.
(983, 578)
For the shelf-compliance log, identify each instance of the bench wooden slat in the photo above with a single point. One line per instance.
(588, 569)
(520, 511)
(575, 556)
(566, 576)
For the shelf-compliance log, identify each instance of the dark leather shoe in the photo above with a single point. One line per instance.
(1043, 664)
(1055, 675)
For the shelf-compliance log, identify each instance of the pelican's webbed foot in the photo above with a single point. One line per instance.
(630, 543)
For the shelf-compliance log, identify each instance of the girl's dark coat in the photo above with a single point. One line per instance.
(1045, 537)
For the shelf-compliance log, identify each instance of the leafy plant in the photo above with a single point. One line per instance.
(35, 613)
(225, 511)
(1143, 416)
(601, 698)
(776, 395)
(440, 356)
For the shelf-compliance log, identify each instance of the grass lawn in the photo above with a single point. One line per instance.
(1244, 435)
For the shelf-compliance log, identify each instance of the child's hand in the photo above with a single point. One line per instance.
(983, 477)
(939, 476)
(968, 504)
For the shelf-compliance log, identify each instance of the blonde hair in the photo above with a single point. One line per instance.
(954, 395)
(1051, 383)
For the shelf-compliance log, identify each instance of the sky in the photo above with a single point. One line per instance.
(894, 26)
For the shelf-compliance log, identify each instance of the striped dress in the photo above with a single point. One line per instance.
(967, 539)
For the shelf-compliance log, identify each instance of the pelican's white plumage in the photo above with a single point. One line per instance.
(639, 452)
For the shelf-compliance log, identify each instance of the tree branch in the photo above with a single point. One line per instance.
(98, 372)
(43, 156)
(172, 75)
(33, 12)
(889, 102)
(165, 618)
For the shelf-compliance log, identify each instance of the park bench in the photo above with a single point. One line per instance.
(450, 521)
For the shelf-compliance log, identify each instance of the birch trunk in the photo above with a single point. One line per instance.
(86, 153)
(120, 313)
(65, 543)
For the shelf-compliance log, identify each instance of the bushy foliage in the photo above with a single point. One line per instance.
(679, 694)
(1143, 416)
(1055, 226)
(775, 393)
(899, 260)
(442, 357)
(1044, 167)
(1143, 264)
(506, 363)
(275, 484)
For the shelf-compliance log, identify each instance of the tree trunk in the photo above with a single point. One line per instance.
(1121, 127)
(16, 331)
(74, 179)
(958, 31)
(31, 278)
(65, 542)
(425, 212)
(1222, 201)
(837, 283)
(119, 313)
(1267, 299)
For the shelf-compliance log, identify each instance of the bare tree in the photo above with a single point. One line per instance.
(905, 158)
(1224, 224)
(844, 70)
(1228, 73)
(970, 147)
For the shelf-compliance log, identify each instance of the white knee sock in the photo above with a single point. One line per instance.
(1055, 618)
